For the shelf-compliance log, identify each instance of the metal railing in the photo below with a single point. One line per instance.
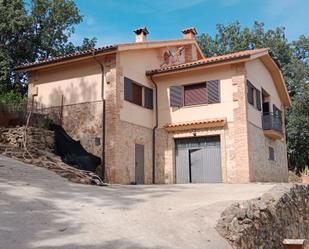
(17, 114)
(271, 121)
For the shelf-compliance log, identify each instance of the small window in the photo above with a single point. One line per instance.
(254, 96)
(138, 94)
(195, 94)
(148, 97)
(271, 154)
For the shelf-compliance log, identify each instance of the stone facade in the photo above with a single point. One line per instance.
(282, 213)
(128, 136)
(261, 168)
(84, 123)
(240, 129)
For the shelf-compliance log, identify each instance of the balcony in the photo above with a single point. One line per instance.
(272, 125)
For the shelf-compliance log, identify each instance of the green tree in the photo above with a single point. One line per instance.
(39, 33)
(294, 60)
(15, 41)
(297, 129)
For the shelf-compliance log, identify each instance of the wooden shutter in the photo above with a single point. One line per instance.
(258, 99)
(148, 95)
(128, 89)
(176, 96)
(195, 94)
(250, 92)
(213, 91)
(137, 94)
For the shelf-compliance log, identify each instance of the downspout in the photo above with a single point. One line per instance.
(154, 133)
(103, 114)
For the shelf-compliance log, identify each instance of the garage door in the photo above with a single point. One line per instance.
(198, 160)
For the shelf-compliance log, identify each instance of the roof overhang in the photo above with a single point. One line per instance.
(66, 59)
(198, 124)
(277, 77)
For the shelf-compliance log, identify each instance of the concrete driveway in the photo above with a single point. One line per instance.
(39, 209)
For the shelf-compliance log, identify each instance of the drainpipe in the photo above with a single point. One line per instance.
(103, 114)
(154, 133)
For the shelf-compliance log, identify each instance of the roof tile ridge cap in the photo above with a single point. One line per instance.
(197, 121)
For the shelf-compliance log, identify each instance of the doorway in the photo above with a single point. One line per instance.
(139, 164)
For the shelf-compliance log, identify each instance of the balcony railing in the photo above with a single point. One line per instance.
(270, 121)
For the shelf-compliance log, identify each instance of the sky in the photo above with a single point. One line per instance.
(113, 21)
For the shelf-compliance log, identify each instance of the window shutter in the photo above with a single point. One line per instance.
(128, 89)
(250, 92)
(176, 96)
(258, 99)
(195, 94)
(148, 94)
(213, 90)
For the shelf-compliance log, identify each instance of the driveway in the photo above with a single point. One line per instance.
(39, 209)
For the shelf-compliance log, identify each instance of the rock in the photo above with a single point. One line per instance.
(281, 213)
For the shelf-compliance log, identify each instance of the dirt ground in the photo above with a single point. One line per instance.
(39, 209)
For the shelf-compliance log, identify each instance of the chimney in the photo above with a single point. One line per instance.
(189, 33)
(141, 34)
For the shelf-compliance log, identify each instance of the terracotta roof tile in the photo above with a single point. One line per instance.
(196, 122)
(66, 57)
(87, 53)
(210, 60)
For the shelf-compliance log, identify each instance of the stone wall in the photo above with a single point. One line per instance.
(128, 136)
(37, 138)
(282, 213)
(83, 122)
(261, 168)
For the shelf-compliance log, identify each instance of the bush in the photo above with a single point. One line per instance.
(12, 98)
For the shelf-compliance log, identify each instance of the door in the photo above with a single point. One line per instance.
(198, 160)
(139, 163)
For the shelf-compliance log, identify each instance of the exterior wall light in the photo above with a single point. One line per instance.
(194, 132)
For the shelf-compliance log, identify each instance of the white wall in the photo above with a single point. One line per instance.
(225, 108)
(134, 65)
(78, 82)
(260, 77)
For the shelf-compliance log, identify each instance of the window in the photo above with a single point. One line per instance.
(254, 96)
(271, 156)
(195, 94)
(138, 94)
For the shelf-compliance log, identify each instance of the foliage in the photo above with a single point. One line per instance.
(35, 33)
(294, 60)
(45, 123)
(11, 97)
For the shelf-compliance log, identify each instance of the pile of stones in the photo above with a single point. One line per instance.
(265, 222)
(38, 152)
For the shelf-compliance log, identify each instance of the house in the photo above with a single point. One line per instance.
(161, 112)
